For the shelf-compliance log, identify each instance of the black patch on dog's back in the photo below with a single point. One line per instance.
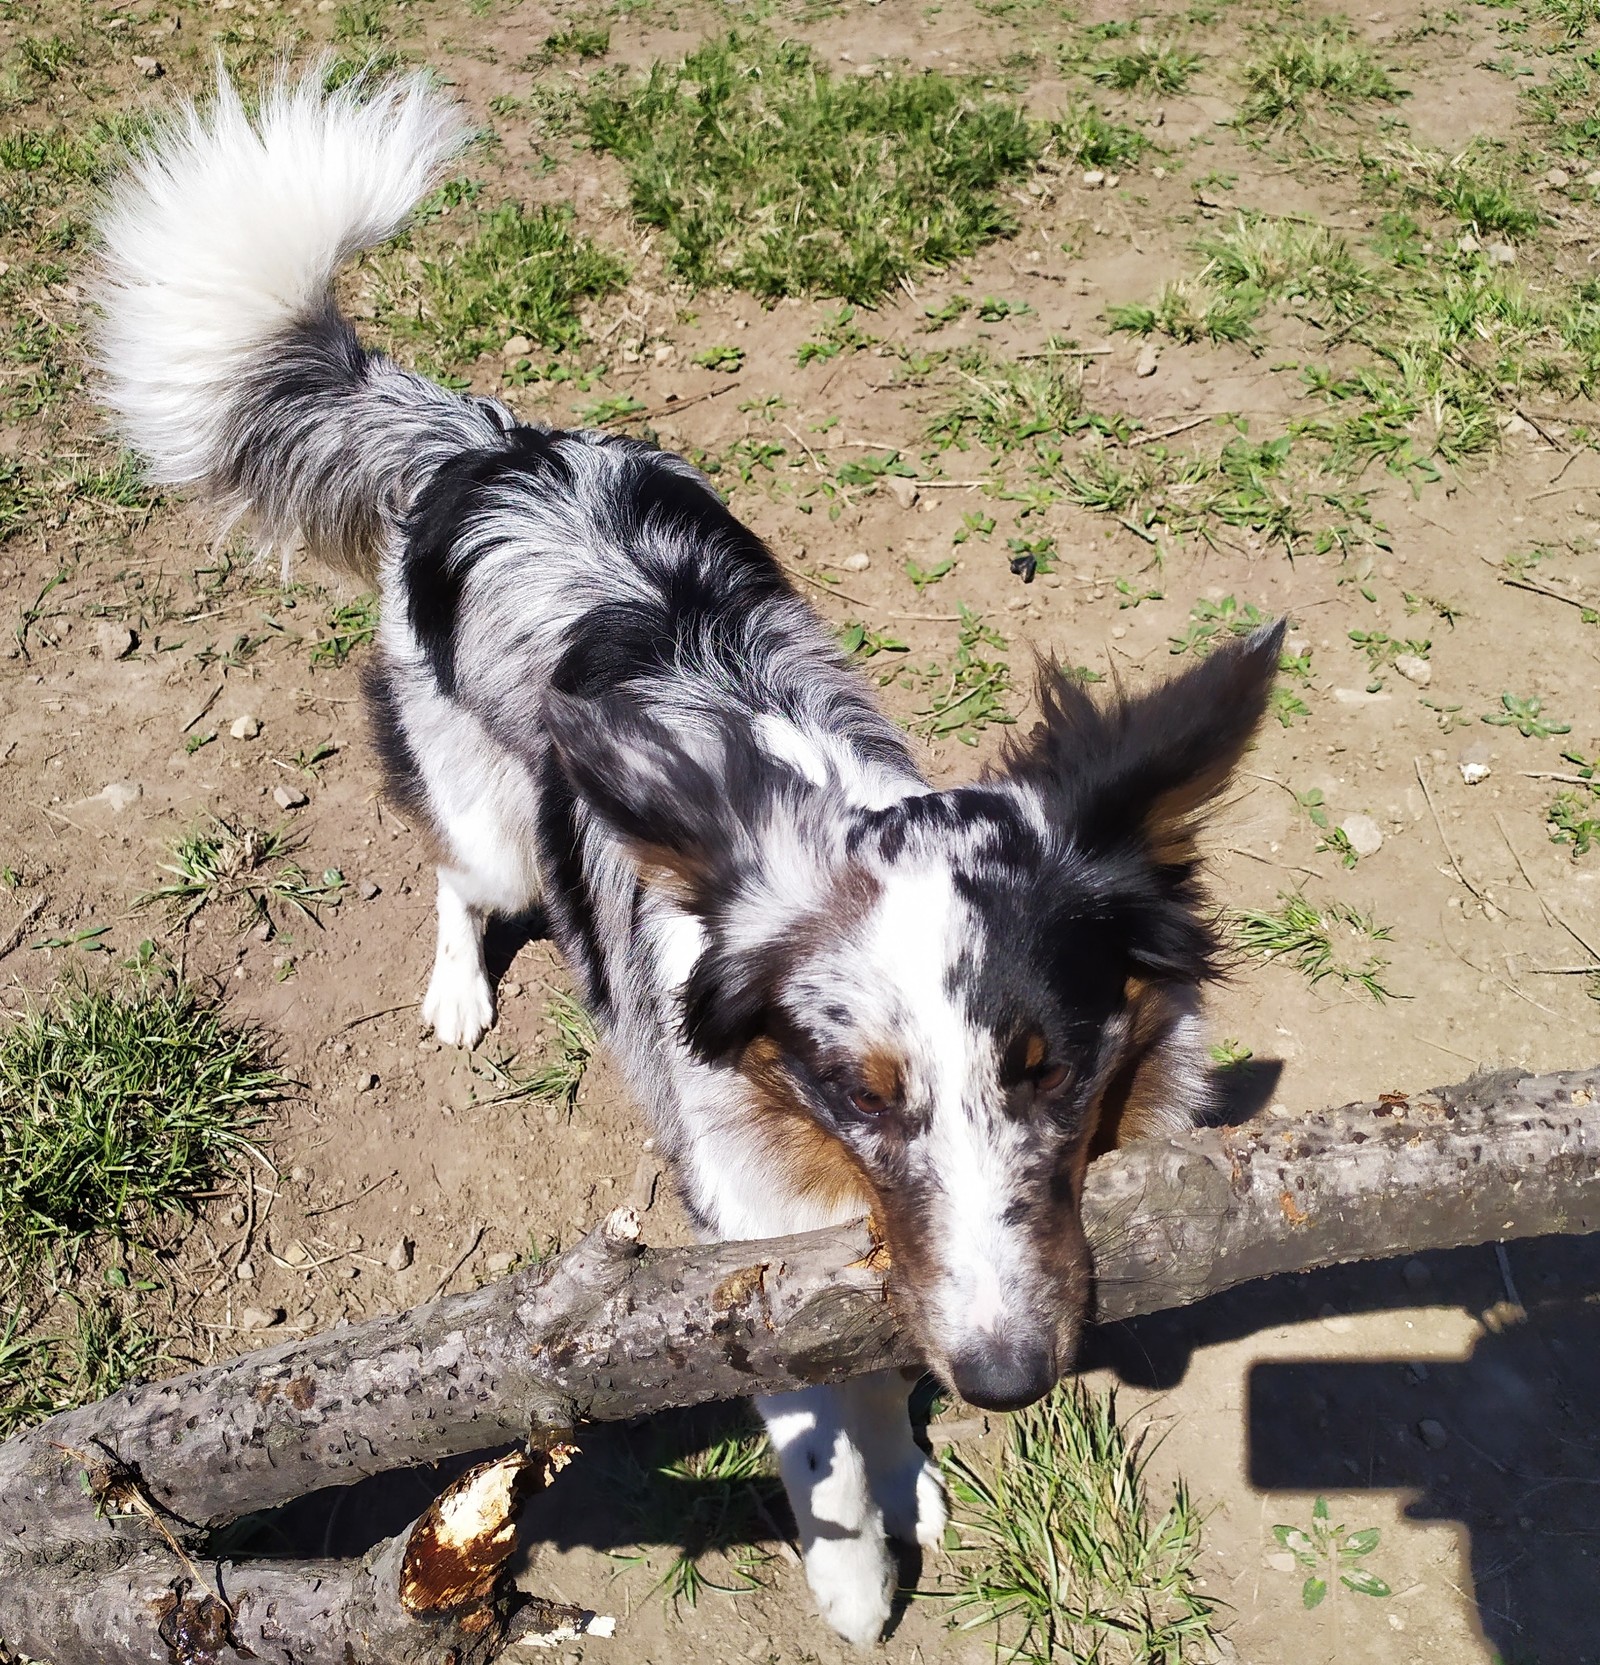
(695, 603)
(435, 565)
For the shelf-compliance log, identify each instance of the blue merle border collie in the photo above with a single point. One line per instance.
(834, 989)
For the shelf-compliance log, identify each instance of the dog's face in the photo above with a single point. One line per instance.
(937, 1004)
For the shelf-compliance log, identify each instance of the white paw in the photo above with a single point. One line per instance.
(916, 1506)
(459, 1005)
(853, 1579)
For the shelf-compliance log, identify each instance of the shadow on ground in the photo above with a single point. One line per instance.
(1506, 1442)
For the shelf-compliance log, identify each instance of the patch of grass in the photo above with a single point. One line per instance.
(118, 1107)
(1190, 309)
(1088, 139)
(1064, 1552)
(1295, 70)
(710, 1502)
(577, 41)
(232, 862)
(1477, 185)
(768, 174)
(103, 1341)
(518, 271)
(1004, 404)
(1574, 818)
(839, 334)
(1304, 936)
(972, 695)
(1155, 66)
(352, 624)
(559, 1077)
(1212, 622)
(730, 359)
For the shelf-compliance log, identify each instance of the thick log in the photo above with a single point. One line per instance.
(612, 1330)
(438, 1590)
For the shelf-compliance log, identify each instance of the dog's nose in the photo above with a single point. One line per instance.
(1004, 1375)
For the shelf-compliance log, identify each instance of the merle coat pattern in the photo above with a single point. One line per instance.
(833, 989)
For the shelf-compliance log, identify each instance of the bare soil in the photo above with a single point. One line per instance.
(1448, 1402)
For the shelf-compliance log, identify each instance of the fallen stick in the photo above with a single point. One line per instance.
(612, 1330)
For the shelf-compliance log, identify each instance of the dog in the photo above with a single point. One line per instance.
(834, 989)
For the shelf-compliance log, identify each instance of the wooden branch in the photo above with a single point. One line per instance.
(611, 1330)
(438, 1590)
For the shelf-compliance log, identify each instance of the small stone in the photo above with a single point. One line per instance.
(1433, 1433)
(1592, 177)
(1559, 178)
(365, 1083)
(115, 641)
(903, 491)
(1366, 838)
(1468, 244)
(119, 795)
(237, 1215)
(263, 931)
(1414, 668)
(401, 1255)
(1094, 179)
(1158, 173)
(1474, 770)
(149, 68)
(261, 1318)
(517, 346)
(296, 1254)
(369, 891)
(1113, 180)
(858, 562)
(1416, 1274)
(1280, 1561)
(499, 1263)
(245, 727)
(245, 1271)
(1500, 254)
(289, 797)
(1149, 359)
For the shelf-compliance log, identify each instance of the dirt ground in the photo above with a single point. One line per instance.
(1449, 1401)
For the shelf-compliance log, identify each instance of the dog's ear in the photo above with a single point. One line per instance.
(682, 801)
(1127, 781)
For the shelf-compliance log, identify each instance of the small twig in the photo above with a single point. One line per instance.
(799, 440)
(333, 1208)
(1564, 970)
(953, 485)
(1554, 595)
(1444, 839)
(14, 936)
(1549, 912)
(856, 601)
(1592, 782)
(249, 1221)
(1539, 428)
(667, 409)
(215, 695)
(449, 1277)
(372, 1017)
(1170, 433)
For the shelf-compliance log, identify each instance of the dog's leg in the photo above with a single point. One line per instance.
(906, 1482)
(848, 1564)
(459, 1004)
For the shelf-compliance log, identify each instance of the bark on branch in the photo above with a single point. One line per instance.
(612, 1330)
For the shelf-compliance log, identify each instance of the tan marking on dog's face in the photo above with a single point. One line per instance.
(1033, 1054)
(883, 1073)
(817, 1165)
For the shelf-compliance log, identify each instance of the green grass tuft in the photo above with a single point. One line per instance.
(518, 271)
(1304, 936)
(1158, 66)
(116, 1108)
(247, 866)
(1295, 70)
(770, 175)
(1065, 1552)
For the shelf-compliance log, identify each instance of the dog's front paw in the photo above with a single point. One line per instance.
(853, 1579)
(916, 1505)
(459, 1004)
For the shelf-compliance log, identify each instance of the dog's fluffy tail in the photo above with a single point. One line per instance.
(220, 347)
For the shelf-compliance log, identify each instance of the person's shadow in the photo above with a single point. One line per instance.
(1506, 1442)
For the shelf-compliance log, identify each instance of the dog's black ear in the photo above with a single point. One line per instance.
(1127, 782)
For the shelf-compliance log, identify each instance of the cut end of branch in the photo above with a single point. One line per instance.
(460, 1547)
(549, 1624)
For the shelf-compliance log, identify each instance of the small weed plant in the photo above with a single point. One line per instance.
(1331, 1557)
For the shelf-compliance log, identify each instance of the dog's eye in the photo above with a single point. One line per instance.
(868, 1103)
(1048, 1080)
